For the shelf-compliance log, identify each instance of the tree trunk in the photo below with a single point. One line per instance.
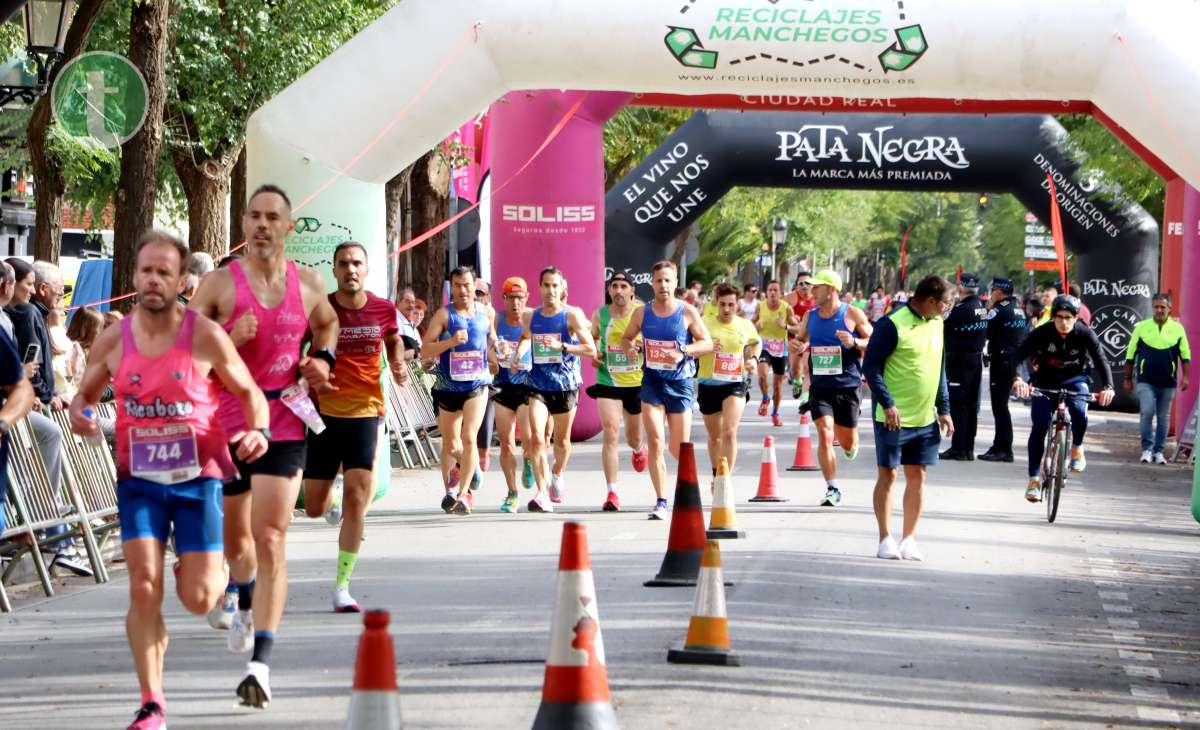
(47, 239)
(393, 195)
(430, 203)
(206, 184)
(237, 197)
(140, 156)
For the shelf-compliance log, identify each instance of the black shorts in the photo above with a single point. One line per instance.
(346, 443)
(631, 398)
(841, 403)
(283, 459)
(711, 398)
(778, 364)
(511, 395)
(557, 401)
(452, 401)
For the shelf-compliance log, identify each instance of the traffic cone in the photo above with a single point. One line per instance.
(708, 632)
(803, 460)
(375, 703)
(722, 524)
(768, 475)
(575, 690)
(685, 544)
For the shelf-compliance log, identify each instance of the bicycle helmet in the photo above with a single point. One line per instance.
(1067, 302)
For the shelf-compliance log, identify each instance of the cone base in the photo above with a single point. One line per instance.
(804, 468)
(768, 499)
(575, 716)
(670, 583)
(700, 656)
(725, 533)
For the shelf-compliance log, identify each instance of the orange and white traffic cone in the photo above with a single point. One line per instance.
(768, 475)
(375, 703)
(685, 543)
(575, 690)
(722, 523)
(803, 460)
(708, 632)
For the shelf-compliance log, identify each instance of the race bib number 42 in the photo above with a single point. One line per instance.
(466, 366)
(163, 454)
(826, 360)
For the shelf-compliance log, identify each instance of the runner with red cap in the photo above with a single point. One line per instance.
(512, 387)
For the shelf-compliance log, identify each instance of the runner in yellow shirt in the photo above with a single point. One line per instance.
(774, 321)
(724, 375)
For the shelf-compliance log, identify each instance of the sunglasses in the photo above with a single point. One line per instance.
(480, 293)
(753, 290)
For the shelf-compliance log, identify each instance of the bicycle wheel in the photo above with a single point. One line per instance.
(1059, 465)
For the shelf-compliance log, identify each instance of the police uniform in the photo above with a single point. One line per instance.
(966, 335)
(1005, 330)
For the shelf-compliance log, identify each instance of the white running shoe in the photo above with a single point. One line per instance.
(888, 550)
(220, 616)
(1147, 456)
(661, 511)
(556, 488)
(909, 549)
(255, 690)
(343, 602)
(241, 632)
(333, 515)
(540, 503)
(1159, 458)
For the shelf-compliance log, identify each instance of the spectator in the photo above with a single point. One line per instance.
(419, 311)
(1048, 295)
(1085, 314)
(199, 264)
(1158, 355)
(406, 305)
(877, 305)
(8, 281)
(85, 326)
(60, 346)
(16, 397)
(112, 316)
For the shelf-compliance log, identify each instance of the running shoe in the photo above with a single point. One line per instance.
(1159, 458)
(888, 549)
(333, 515)
(221, 615)
(1078, 462)
(851, 453)
(639, 459)
(241, 633)
(612, 503)
(1147, 456)
(448, 501)
(452, 479)
(343, 602)
(476, 480)
(149, 717)
(796, 389)
(660, 511)
(1033, 492)
(556, 488)
(254, 689)
(540, 504)
(762, 408)
(509, 504)
(776, 420)
(833, 497)
(527, 479)
(72, 562)
(909, 549)
(463, 505)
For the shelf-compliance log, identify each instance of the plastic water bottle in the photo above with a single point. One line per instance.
(98, 439)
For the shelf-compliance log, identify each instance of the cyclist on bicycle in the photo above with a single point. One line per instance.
(1059, 352)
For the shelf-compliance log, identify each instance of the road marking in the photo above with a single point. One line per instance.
(1114, 596)
(1142, 692)
(1117, 608)
(1134, 670)
(1158, 714)
(1135, 656)
(1124, 623)
(1127, 638)
(1105, 573)
(623, 536)
(1100, 561)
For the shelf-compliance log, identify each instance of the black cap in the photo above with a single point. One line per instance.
(969, 281)
(1004, 285)
(619, 276)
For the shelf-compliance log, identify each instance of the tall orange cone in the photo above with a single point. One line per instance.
(722, 523)
(803, 460)
(708, 632)
(575, 690)
(768, 475)
(375, 703)
(685, 544)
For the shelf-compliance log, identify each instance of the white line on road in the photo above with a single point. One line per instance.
(1158, 714)
(1143, 692)
(1135, 656)
(623, 536)
(1114, 596)
(1134, 670)
(1124, 623)
(1117, 608)
(1125, 638)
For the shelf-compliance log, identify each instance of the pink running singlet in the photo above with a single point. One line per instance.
(167, 429)
(272, 355)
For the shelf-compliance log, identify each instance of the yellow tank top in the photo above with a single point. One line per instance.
(774, 335)
(618, 370)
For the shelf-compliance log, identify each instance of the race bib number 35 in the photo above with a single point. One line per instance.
(163, 454)
(547, 348)
(660, 354)
(826, 360)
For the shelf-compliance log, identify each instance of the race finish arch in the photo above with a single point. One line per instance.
(405, 83)
(1115, 244)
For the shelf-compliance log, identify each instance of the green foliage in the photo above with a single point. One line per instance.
(12, 37)
(635, 132)
(90, 168)
(1112, 163)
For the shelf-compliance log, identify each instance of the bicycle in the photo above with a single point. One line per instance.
(1058, 447)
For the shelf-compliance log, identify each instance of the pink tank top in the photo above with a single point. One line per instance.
(272, 356)
(166, 413)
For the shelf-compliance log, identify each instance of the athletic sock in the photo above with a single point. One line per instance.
(245, 593)
(263, 642)
(612, 488)
(155, 697)
(346, 561)
(831, 483)
(231, 586)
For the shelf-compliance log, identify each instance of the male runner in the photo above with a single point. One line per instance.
(618, 384)
(775, 322)
(171, 450)
(267, 303)
(836, 334)
(723, 375)
(748, 306)
(800, 299)
(459, 338)
(673, 336)
(512, 388)
(352, 413)
(483, 441)
(560, 335)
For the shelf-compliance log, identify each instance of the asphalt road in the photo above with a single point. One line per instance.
(1010, 622)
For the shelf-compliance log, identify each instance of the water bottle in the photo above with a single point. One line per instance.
(98, 439)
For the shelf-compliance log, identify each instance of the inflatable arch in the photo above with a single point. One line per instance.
(405, 83)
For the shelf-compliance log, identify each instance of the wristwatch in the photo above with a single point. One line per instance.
(683, 349)
(327, 355)
(265, 431)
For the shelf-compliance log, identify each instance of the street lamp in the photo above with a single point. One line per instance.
(46, 24)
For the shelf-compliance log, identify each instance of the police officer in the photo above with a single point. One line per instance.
(966, 334)
(1005, 330)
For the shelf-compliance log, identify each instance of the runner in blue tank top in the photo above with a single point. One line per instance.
(837, 335)
(461, 337)
(673, 335)
(560, 335)
(513, 387)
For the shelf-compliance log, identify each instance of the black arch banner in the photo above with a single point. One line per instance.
(1115, 244)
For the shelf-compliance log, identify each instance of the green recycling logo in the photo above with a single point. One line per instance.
(102, 96)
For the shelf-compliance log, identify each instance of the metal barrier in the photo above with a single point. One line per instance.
(410, 420)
